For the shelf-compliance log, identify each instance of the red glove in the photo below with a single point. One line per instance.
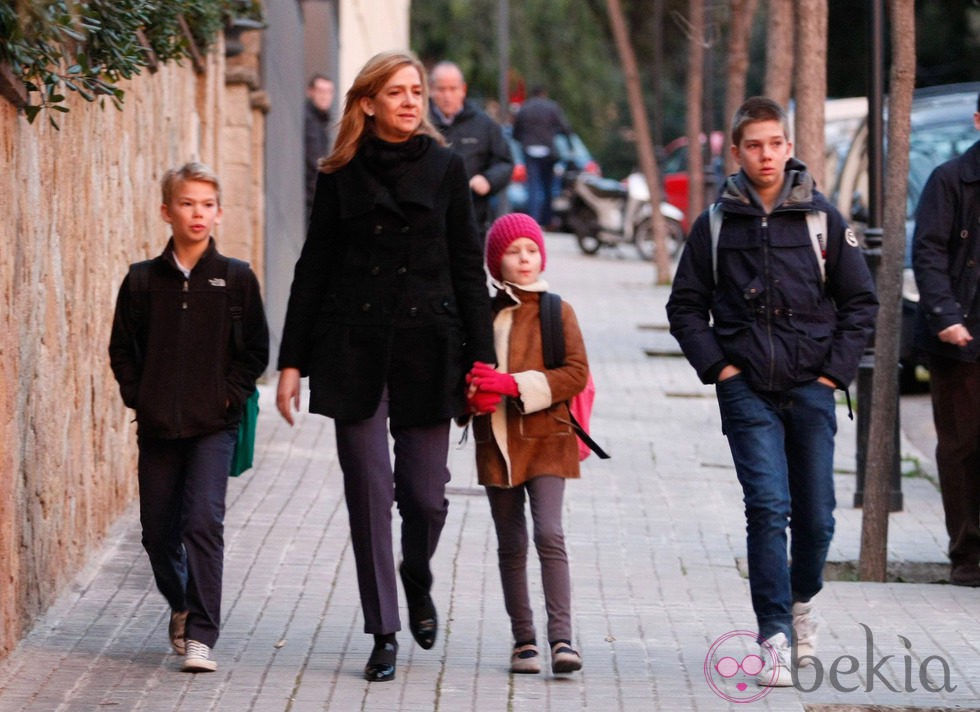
(487, 378)
(483, 402)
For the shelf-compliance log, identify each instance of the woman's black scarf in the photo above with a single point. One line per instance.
(388, 161)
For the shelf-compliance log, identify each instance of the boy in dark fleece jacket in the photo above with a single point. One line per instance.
(186, 367)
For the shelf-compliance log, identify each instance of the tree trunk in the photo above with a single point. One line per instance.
(695, 91)
(742, 12)
(811, 86)
(884, 383)
(641, 128)
(779, 51)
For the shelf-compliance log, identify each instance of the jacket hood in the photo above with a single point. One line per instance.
(798, 192)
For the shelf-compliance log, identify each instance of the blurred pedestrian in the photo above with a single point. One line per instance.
(945, 253)
(525, 447)
(319, 100)
(387, 312)
(189, 338)
(538, 122)
(473, 135)
(755, 316)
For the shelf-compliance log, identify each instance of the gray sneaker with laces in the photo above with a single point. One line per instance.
(198, 658)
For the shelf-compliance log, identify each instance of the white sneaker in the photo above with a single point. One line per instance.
(198, 658)
(805, 631)
(777, 655)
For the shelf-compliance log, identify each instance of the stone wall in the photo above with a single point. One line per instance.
(78, 205)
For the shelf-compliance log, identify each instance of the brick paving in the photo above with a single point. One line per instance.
(655, 537)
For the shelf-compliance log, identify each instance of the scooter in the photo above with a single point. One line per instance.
(605, 213)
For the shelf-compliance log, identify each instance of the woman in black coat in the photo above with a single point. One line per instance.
(387, 312)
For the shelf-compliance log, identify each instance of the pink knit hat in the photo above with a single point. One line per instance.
(504, 231)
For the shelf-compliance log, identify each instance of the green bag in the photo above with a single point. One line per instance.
(241, 459)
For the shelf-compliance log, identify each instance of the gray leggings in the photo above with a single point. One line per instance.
(507, 506)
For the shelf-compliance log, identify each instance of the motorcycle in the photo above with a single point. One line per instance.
(604, 213)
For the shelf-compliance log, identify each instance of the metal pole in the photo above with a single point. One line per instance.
(872, 253)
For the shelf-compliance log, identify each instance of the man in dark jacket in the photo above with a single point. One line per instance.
(754, 315)
(472, 134)
(316, 130)
(945, 252)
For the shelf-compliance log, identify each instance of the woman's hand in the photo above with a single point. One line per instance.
(287, 395)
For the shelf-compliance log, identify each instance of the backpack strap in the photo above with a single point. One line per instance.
(816, 225)
(235, 284)
(552, 331)
(553, 351)
(715, 216)
(139, 300)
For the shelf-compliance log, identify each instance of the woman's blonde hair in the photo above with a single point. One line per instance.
(355, 125)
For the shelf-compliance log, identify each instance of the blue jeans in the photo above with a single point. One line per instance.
(783, 448)
(540, 177)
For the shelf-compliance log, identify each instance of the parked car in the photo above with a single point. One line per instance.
(941, 128)
(574, 157)
(674, 170)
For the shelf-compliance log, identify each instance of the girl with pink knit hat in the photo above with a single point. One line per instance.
(525, 446)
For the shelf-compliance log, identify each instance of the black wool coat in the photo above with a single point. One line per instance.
(389, 291)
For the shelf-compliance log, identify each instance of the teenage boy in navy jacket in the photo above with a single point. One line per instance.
(183, 369)
(756, 316)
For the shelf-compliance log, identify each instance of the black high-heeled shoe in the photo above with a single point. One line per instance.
(381, 665)
(422, 618)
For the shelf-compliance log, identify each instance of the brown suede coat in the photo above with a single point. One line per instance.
(530, 436)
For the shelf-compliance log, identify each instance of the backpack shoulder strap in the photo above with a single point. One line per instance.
(552, 332)
(139, 277)
(235, 284)
(139, 299)
(715, 217)
(816, 224)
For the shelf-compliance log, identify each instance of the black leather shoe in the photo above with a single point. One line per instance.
(422, 618)
(965, 575)
(381, 665)
(423, 622)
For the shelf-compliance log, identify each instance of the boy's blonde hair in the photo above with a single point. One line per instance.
(192, 170)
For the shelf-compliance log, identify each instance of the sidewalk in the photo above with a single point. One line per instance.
(655, 537)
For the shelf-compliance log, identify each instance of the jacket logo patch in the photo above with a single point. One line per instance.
(216, 282)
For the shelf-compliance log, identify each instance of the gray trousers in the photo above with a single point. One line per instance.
(417, 483)
(507, 506)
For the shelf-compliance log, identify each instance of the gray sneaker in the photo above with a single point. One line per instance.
(198, 658)
(804, 631)
(778, 661)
